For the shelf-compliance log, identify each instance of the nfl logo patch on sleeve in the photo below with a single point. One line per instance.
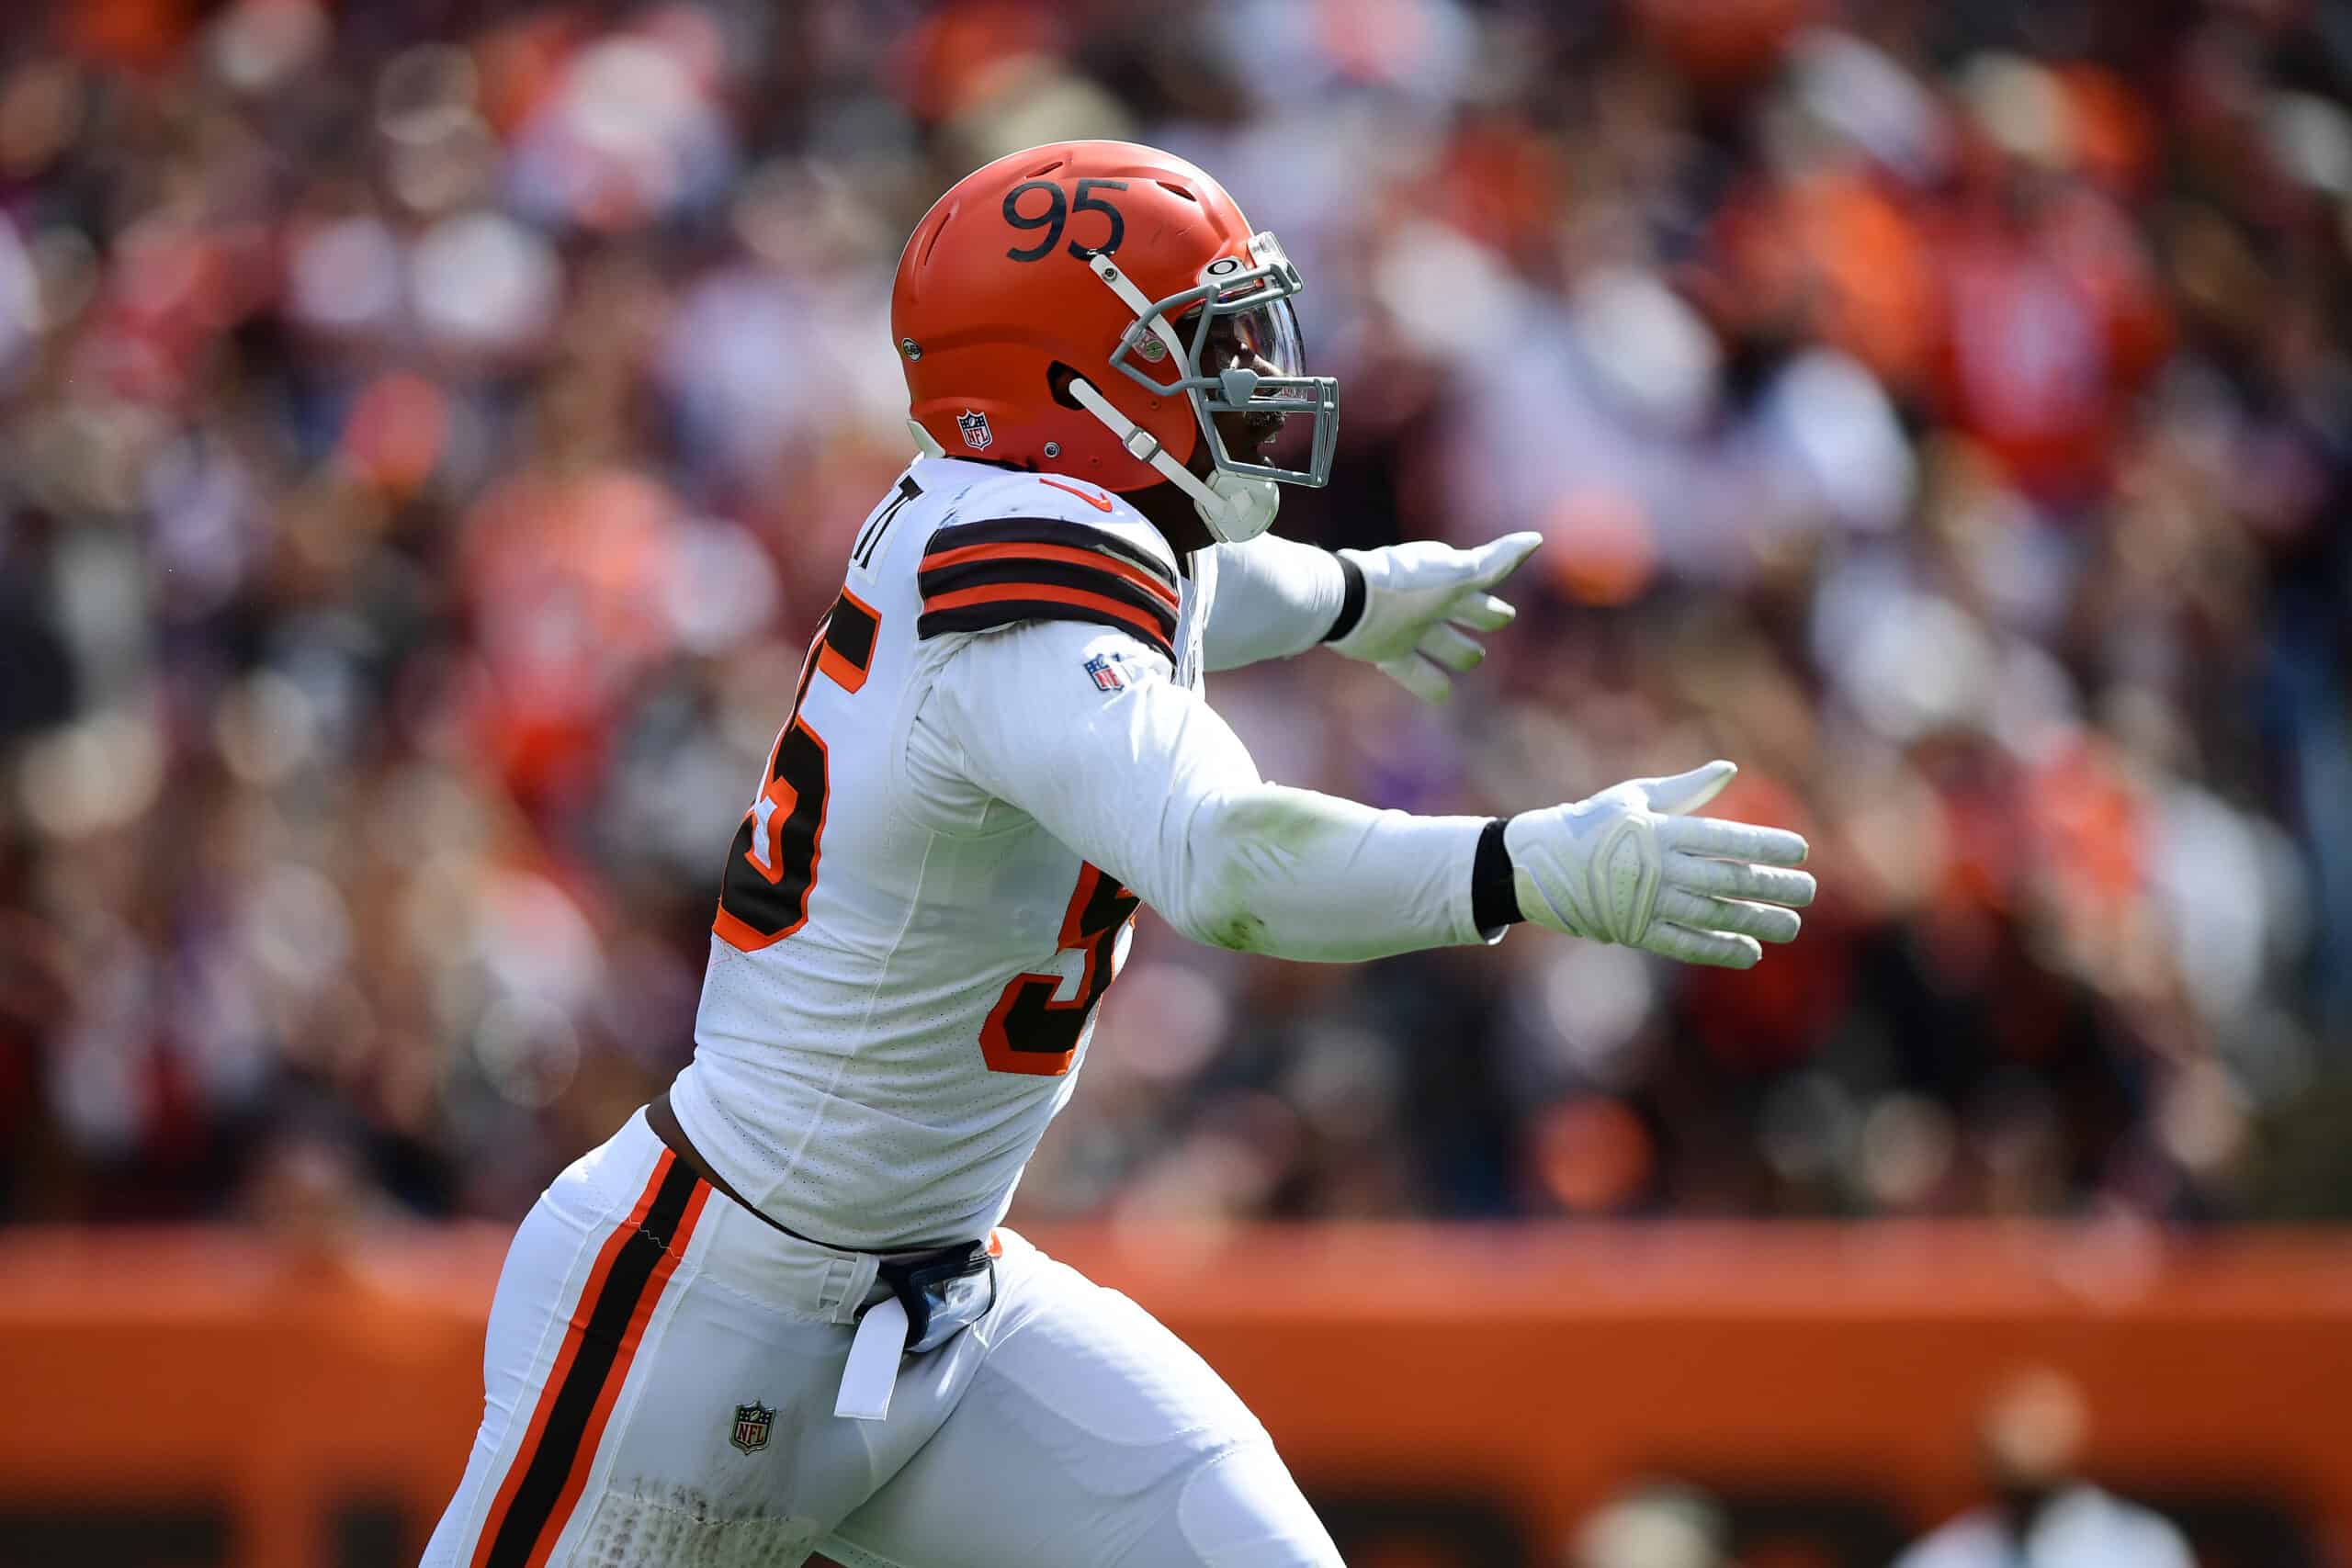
(977, 434)
(1104, 668)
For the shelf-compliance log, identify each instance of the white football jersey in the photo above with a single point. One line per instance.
(904, 969)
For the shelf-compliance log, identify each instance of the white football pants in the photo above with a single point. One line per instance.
(658, 1383)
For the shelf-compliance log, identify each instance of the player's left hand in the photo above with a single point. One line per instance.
(1633, 865)
(1421, 603)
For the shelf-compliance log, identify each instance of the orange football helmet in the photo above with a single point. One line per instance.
(1035, 278)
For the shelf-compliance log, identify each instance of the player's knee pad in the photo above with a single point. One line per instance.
(1242, 1510)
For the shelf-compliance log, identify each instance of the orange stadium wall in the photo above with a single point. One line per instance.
(1449, 1396)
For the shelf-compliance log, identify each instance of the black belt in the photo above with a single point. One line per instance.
(943, 1289)
(934, 1297)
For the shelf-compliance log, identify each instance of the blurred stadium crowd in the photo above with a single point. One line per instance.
(431, 429)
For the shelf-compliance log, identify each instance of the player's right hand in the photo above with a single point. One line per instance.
(1629, 865)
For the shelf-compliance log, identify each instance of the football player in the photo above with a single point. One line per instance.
(776, 1313)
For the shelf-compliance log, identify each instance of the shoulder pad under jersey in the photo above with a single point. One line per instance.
(1038, 547)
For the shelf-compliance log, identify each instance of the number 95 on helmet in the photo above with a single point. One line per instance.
(1102, 309)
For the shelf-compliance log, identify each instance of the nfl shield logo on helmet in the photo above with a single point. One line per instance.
(975, 426)
(752, 1426)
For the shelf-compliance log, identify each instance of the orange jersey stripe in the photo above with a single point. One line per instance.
(1061, 553)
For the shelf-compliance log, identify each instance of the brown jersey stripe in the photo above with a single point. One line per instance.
(989, 618)
(1049, 531)
(938, 586)
(550, 1467)
(1063, 555)
(1004, 605)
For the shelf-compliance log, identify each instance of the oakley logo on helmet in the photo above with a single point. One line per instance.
(977, 434)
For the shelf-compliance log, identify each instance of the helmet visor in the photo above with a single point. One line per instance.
(1253, 364)
(1249, 377)
(1261, 336)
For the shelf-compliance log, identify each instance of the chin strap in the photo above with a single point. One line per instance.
(1231, 507)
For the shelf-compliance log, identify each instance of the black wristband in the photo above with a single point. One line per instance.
(1350, 600)
(1494, 893)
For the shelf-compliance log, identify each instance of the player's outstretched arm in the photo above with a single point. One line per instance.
(1145, 780)
(1086, 730)
(1408, 610)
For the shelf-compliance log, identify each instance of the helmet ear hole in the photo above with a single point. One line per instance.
(1058, 376)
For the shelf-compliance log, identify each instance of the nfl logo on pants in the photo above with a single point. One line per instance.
(751, 1424)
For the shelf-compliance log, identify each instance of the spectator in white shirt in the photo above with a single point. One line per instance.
(2043, 1515)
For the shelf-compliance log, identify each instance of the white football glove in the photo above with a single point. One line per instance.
(1628, 866)
(1417, 600)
